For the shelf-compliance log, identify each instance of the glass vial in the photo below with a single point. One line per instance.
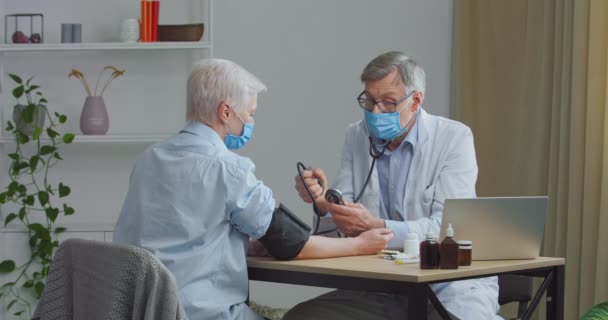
(429, 252)
(465, 252)
(448, 250)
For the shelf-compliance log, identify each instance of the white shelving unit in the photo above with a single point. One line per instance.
(96, 46)
(131, 138)
(15, 58)
(146, 105)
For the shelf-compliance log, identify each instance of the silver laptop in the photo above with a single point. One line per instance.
(500, 228)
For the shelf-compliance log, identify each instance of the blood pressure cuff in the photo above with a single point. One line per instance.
(286, 235)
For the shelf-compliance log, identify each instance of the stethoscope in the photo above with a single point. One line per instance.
(377, 148)
(334, 195)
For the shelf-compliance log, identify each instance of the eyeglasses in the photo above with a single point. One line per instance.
(384, 106)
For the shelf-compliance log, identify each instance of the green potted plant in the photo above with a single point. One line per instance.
(598, 312)
(31, 199)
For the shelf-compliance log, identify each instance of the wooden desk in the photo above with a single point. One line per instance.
(373, 273)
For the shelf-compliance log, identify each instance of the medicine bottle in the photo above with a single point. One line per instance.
(411, 245)
(448, 250)
(429, 252)
(465, 252)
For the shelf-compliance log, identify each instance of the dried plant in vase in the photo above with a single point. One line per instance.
(94, 116)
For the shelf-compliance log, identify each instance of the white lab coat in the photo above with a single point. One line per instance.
(443, 166)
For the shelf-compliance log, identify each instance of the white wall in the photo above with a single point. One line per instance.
(310, 54)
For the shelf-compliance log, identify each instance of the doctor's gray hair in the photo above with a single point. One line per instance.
(215, 80)
(411, 73)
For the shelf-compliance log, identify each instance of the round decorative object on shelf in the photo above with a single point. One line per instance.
(129, 30)
(94, 117)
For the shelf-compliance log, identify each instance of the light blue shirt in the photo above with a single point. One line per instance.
(194, 204)
(393, 170)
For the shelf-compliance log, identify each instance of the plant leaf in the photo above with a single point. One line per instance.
(60, 230)
(43, 197)
(18, 92)
(68, 137)
(37, 227)
(10, 305)
(22, 138)
(37, 133)
(3, 196)
(14, 156)
(52, 133)
(29, 200)
(43, 100)
(28, 113)
(32, 88)
(52, 213)
(7, 266)
(9, 218)
(67, 210)
(64, 190)
(21, 188)
(44, 150)
(34, 163)
(15, 78)
(22, 211)
(57, 156)
(28, 284)
(39, 288)
(597, 312)
(63, 118)
(9, 126)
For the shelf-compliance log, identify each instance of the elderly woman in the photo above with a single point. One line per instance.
(195, 204)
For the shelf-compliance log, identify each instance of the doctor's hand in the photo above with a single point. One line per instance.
(353, 218)
(317, 191)
(373, 241)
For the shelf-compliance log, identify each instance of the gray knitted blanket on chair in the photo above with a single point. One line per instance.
(97, 280)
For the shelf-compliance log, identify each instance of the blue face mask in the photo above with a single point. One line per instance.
(385, 126)
(236, 142)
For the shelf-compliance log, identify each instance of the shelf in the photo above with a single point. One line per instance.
(126, 138)
(18, 228)
(93, 46)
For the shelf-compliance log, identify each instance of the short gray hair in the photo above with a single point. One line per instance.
(411, 73)
(215, 80)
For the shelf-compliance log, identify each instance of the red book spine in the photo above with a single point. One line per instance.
(144, 22)
(155, 12)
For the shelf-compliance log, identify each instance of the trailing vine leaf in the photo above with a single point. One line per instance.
(39, 288)
(64, 190)
(52, 213)
(7, 266)
(29, 170)
(43, 197)
(29, 200)
(9, 218)
(52, 133)
(68, 138)
(34, 163)
(10, 304)
(67, 210)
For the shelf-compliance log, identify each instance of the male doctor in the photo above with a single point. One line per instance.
(426, 160)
